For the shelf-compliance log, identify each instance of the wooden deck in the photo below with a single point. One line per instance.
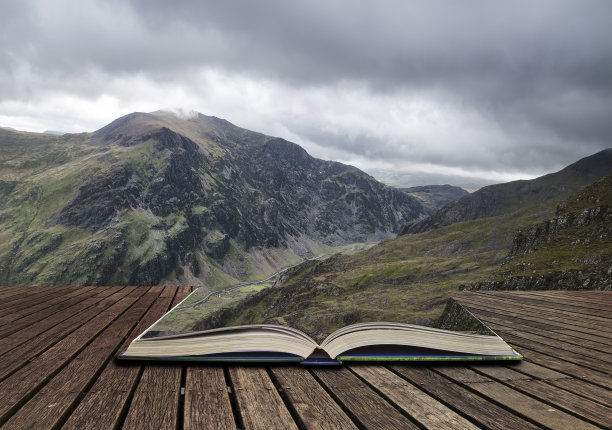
(57, 370)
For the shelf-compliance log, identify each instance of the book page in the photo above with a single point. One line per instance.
(241, 305)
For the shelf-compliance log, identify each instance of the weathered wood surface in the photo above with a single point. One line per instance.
(57, 370)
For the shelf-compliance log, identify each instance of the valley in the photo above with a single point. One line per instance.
(407, 279)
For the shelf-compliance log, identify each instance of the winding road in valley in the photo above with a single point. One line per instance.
(246, 284)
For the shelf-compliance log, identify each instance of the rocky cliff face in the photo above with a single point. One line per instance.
(152, 197)
(570, 251)
(505, 198)
(598, 220)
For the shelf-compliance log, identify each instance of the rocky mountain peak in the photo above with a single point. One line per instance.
(193, 198)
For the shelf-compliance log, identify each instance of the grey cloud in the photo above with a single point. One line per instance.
(540, 71)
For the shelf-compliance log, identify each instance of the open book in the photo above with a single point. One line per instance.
(367, 341)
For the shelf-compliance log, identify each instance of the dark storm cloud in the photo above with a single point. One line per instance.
(540, 73)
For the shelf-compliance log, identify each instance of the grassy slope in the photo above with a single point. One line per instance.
(583, 246)
(47, 171)
(405, 279)
(40, 174)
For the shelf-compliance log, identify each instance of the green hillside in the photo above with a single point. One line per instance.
(407, 279)
(572, 250)
(154, 199)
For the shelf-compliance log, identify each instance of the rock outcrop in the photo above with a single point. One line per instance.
(572, 251)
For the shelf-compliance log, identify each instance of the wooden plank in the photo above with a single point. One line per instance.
(420, 406)
(595, 299)
(550, 341)
(559, 296)
(315, 408)
(50, 307)
(7, 292)
(499, 372)
(363, 404)
(549, 331)
(28, 379)
(31, 295)
(601, 344)
(106, 401)
(594, 412)
(207, 402)
(461, 400)
(530, 407)
(156, 398)
(36, 303)
(584, 389)
(567, 367)
(590, 337)
(572, 310)
(520, 342)
(259, 404)
(536, 371)
(556, 301)
(531, 306)
(49, 406)
(562, 318)
(18, 357)
(155, 403)
(180, 295)
(461, 373)
(499, 312)
(11, 341)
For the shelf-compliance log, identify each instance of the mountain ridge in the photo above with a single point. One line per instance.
(152, 198)
(552, 244)
(496, 199)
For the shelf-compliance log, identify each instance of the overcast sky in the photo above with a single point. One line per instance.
(498, 90)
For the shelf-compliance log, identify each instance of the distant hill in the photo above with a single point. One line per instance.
(505, 198)
(152, 198)
(435, 197)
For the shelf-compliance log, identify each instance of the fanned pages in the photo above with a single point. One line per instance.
(176, 337)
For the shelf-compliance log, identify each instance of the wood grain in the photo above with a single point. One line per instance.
(530, 407)
(419, 405)
(48, 406)
(207, 402)
(259, 404)
(155, 402)
(28, 379)
(455, 396)
(365, 406)
(311, 402)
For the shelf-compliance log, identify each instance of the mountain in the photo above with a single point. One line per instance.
(549, 244)
(435, 197)
(400, 179)
(152, 198)
(572, 250)
(504, 198)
